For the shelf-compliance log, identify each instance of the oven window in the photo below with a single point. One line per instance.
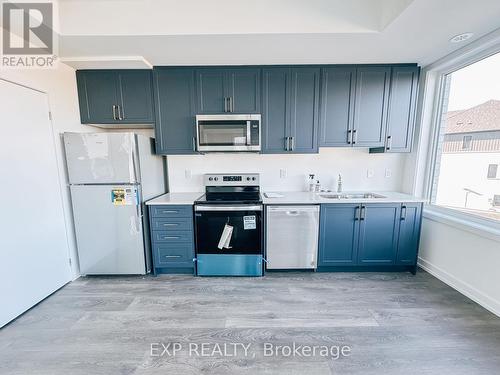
(227, 133)
(246, 237)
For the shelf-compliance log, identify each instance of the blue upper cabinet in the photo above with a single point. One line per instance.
(339, 235)
(402, 108)
(370, 106)
(210, 93)
(337, 106)
(175, 110)
(275, 114)
(290, 98)
(304, 107)
(409, 233)
(228, 90)
(115, 97)
(136, 96)
(378, 233)
(243, 90)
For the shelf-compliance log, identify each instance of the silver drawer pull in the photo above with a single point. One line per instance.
(170, 212)
(172, 256)
(170, 224)
(170, 237)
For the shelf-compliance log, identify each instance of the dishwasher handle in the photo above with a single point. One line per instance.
(293, 210)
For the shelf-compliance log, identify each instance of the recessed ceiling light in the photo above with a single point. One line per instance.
(461, 37)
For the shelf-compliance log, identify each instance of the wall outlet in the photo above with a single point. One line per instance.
(283, 173)
(388, 173)
(187, 174)
(370, 173)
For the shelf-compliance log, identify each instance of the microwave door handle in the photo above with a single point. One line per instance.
(249, 133)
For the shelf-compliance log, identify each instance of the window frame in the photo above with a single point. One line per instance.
(431, 118)
(496, 172)
(466, 142)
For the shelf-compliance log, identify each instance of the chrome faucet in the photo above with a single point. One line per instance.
(339, 184)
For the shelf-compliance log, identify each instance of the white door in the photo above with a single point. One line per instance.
(33, 244)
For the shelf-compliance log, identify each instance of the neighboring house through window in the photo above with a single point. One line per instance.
(466, 142)
(492, 171)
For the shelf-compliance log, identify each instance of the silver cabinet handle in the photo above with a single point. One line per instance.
(356, 211)
(354, 136)
(231, 104)
(120, 113)
(349, 136)
(362, 213)
(171, 237)
(115, 117)
(287, 143)
(170, 224)
(170, 211)
(194, 143)
(172, 256)
(226, 104)
(293, 143)
(403, 212)
(389, 143)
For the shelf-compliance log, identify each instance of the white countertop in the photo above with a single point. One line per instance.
(293, 197)
(175, 198)
(303, 197)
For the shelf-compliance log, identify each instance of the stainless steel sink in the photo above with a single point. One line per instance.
(352, 196)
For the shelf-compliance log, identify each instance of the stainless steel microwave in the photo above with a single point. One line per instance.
(217, 133)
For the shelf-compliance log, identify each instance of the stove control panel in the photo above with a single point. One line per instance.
(244, 179)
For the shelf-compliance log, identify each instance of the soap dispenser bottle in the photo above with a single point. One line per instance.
(311, 184)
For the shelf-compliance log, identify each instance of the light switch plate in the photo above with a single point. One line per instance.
(283, 173)
(370, 173)
(388, 173)
(187, 174)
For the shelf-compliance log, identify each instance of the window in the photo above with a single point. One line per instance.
(470, 111)
(467, 140)
(492, 170)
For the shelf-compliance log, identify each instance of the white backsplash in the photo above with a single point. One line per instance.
(185, 172)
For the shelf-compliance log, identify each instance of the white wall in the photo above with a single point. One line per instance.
(463, 260)
(353, 164)
(60, 85)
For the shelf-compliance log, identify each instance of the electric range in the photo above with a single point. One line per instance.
(229, 226)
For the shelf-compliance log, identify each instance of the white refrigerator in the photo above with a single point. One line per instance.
(111, 175)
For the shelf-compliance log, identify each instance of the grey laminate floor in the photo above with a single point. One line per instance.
(392, 324)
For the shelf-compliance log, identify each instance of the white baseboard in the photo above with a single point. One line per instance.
(467, 290)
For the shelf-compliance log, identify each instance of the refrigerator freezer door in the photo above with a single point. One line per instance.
(292, 237)
(101, 158)
(108, 223)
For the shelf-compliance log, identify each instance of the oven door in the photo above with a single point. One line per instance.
(245, 222)
(228, 133)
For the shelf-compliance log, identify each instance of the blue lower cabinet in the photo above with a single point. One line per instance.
(339, 233)
(172, 237)
(378, 233)
(229, 265)
(377, 236)
(409, 233)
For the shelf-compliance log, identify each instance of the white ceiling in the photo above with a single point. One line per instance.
(203, 32)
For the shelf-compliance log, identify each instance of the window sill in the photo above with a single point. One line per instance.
(470, 223)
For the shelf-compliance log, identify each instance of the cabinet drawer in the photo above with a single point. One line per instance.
(167, 236)
(172, 211)
(179, 254)
(173, 224)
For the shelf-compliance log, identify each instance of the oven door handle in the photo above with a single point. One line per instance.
(227, 208)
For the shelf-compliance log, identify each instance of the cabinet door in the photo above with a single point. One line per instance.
(339, 232)
(337, 105)
(243, 89)
(409, 233)
(98, 93)
(136, 96)
(175, 114)
(304, 108)
(210, 93)
(275, 114)
(378, 237)
(370, 108)
(401, 111)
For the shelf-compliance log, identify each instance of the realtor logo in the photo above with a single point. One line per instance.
(28, 37)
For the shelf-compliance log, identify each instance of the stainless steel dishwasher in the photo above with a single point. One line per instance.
(292, 236)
